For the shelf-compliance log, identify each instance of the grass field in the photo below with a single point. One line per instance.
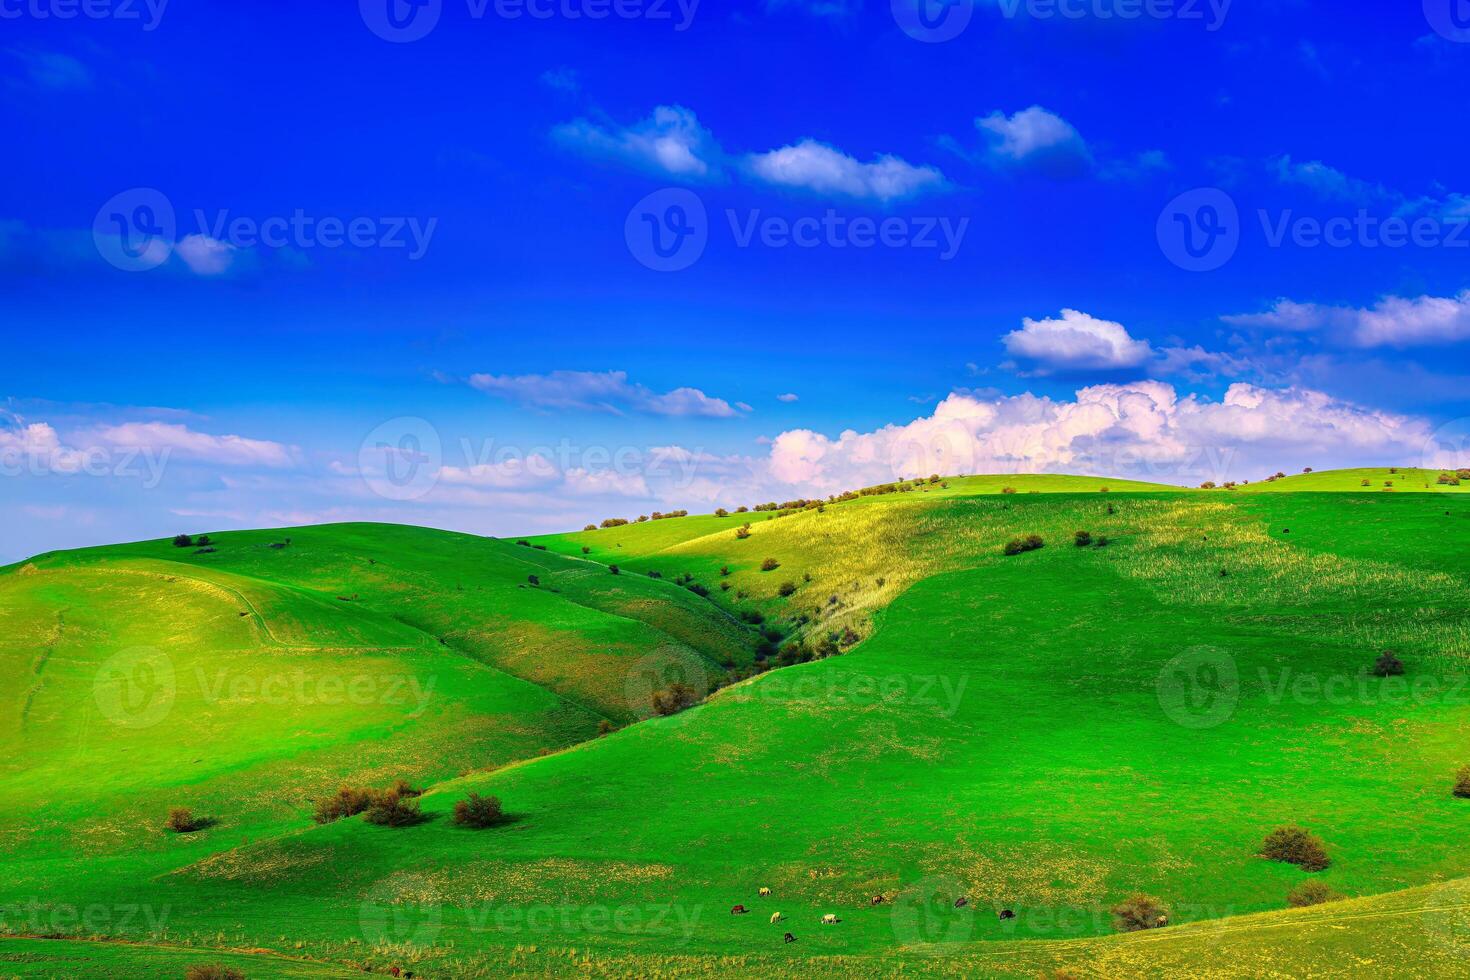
(1044, 733)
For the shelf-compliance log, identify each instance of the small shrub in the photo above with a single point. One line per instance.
(203, 541)
(524, 543)
(393, 809)
(478, 812)
(1007, 489)
(183, 541)
(590, 527)
(1101, 541)
(1293, 845)
(1462, 783)
(721, 512)
(1312, 893)
(181, 820)
(786, 589)
(742, 532)
(1388, 665)
(770, 565)
(404, 788)
(674, 699)
(348, 802)
(613, 569)
(534, 580)
(1084, 539)
(1139, 912)
(213, 971)
(1013, 547)
(1366, 483)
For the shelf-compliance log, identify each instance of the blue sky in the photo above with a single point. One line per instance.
(964, 251)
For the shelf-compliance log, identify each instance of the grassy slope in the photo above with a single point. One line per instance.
(903, 766)
(1402, 479)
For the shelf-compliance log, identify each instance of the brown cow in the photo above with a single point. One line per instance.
(738, 910)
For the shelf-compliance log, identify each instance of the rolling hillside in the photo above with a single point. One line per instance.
(1044, 733)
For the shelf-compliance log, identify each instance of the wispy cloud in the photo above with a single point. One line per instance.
(670, 143)
(824, 169)
(600, 391)
(1394, 321)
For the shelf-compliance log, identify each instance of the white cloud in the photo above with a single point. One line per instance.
(1329, 182)
(824, 169)
(1036, 139)
(604, 391)
(180, 440)
(205, 256)
(1394, 321)
(788, 397)
(1075, 342)
(1142, 429)
(670, 142)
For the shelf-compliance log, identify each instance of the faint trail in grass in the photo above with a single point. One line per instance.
(38, 669)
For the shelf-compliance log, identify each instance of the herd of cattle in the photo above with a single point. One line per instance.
(831, 919)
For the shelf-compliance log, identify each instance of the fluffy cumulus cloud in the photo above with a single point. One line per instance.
(599, 391)
(670, 143)
(38, 447)
(822, 169)
(205, 256)
(1075, 341)
(1035, 139)
(1394, 321)
(1143, 430)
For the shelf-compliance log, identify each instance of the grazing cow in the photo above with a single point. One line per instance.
(765, 893)
(790, 938)
(776, 917)
(1007, 914)
(829, 919)
(738, 910)
(961, 902)
(395, 972)
(878, 899)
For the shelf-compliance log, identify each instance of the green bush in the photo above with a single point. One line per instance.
(181, 820)
(1388, 665)
(786, 589)
(478, 812)
(1462, 783)
(1139, 912)
(1030, 542)
(183, 541)
(393, 809)
(1293, 845)
(349, 801)
(1312, 893)
(770, 565)
(213, 971)
(1083, 538)
(674, 698)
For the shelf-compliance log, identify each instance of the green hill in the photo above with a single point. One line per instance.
(1044, 733)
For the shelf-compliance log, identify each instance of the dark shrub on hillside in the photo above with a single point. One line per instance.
(590, 527)
(183, 541)
(770, 565)
(615, 522)
(391, 808)
(605, 727)
(721, 512)
(1013, 547)
(698, 589)
(404, 788)
(1139, 912)
(786, 589)
(533, 579)
(1033, 541)
(181, 820)
(349, 801)
(203, 541)
(1008, 490)
(1293, 845)
(1388, 665)
(742, 532)
(674, 698)
(586, 550)
(1462, 783)
(751, 616)
(613, 569)
(478, 812)
(1016, 546)
(212, 971)
(724, 570)
(1312, 893)
(1083, 538)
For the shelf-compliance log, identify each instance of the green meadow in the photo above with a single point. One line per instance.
(967, 758)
